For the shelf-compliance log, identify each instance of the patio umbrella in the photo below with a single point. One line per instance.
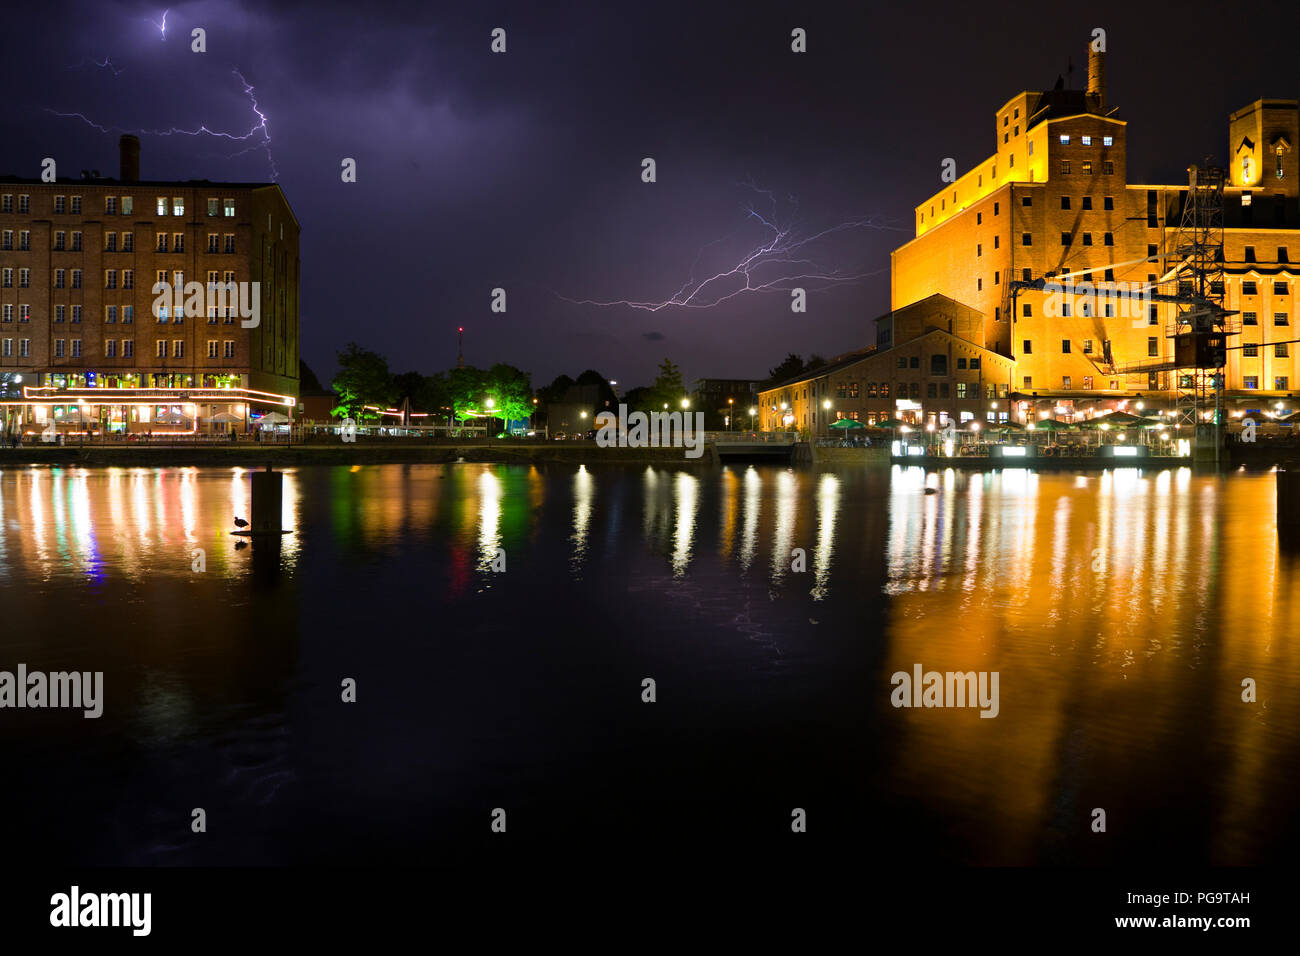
(890, 423)
(1007, 426)
(273, 418)
(1116, 420)
(225, 417)
(847, 423)
(1052, 425)
(171, 418)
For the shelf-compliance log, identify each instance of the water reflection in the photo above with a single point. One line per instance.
(1122, 610)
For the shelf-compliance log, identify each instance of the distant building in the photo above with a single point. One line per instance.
(720, 398)
(79, 260)
(576, 410)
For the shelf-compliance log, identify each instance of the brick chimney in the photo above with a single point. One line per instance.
(129, 153)
(1097, 77)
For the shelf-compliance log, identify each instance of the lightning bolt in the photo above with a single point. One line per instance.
(162, 27)
(260, 128)
(780, 262)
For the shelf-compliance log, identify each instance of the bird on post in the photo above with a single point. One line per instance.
(241, 523)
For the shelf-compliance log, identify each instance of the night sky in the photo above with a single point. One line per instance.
(523, 170)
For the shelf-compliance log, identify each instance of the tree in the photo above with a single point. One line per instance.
(605, 397)
(511, 393)
(792, 366)
(555, 391)
(467, 388)
(667, 388)
(363, 379)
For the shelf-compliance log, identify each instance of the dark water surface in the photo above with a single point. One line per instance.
(1122, 611)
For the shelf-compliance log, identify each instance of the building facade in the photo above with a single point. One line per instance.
(1055, 200)
(81, 326)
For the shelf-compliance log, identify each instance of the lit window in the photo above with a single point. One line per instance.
(1107, 141)
(1065, 139)
(1085, 140)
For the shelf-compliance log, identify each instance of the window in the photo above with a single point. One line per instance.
(1281, 383)
(178, 242)
(1087, 168)
(76, 242)
(1281, 254)
(1087, 202)
(110, 242)
(110, 314)
(1026, 239)
(59, 205)
(915, 389)
(1250, 351)
(212, 348)
(938, 364)
(1065, 238)
(1087, 238)
(1153, 315)
(24, 278)
(979, 249)
(979, 218)
(161, 348)
(1028, 347)
(961, 389)
(110, 279)
(914, 361)
(8, 278)
(162, 242)
(178, 205)
(1108, 141)
(8, 350)
(1279, 288)
(76, 315)
(902, 363)
(995, 210)
(128, 205)
(931, 390)
(1065, 139)
(1066, 309)
(214, 206)
(128, 348)
(1245, 197)
(60, 314)
(1029, 381)
(162, 205)
(76, 205)
(162, 315)
(24, 204)
(128, 243)
(979, 285)
(1249, 318)
(59, 345)
(228, 351)
(1087, 346)
(1108, 202)
(76, 348)
(1065, 380)
(1065, 344)
(110, 348)
(1107, 167)
(1153, 347)
(229, 207)
(110, 205)
(25, 240)
(7, 202)
(1248, 287)
(128, 278)
(230, 243)
(961, 363)
(855, 390)
(1250, 253)
(1031, 147)
(1065, 167)
(1006, 138)
(1279, 318)
(60, 240)
(1026, 200)
(1027, 311)
(974, 363)
(24, 348)
(997, 241)
(128, 315)
(58, 278)
(24, 312)
(1109, 239)
(1280, 351)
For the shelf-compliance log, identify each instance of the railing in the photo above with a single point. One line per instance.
(750, 437)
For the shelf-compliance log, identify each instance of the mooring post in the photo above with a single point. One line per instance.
(267, 496)
(1288, 505)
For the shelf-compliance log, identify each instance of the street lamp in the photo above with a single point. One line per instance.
(686, 403)
(730, 410)
(752, 413)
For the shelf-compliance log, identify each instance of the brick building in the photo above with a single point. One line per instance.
(79, 322)
(1055, 199)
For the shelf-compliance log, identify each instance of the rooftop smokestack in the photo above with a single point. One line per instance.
(1097, 77)
(129, 152)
